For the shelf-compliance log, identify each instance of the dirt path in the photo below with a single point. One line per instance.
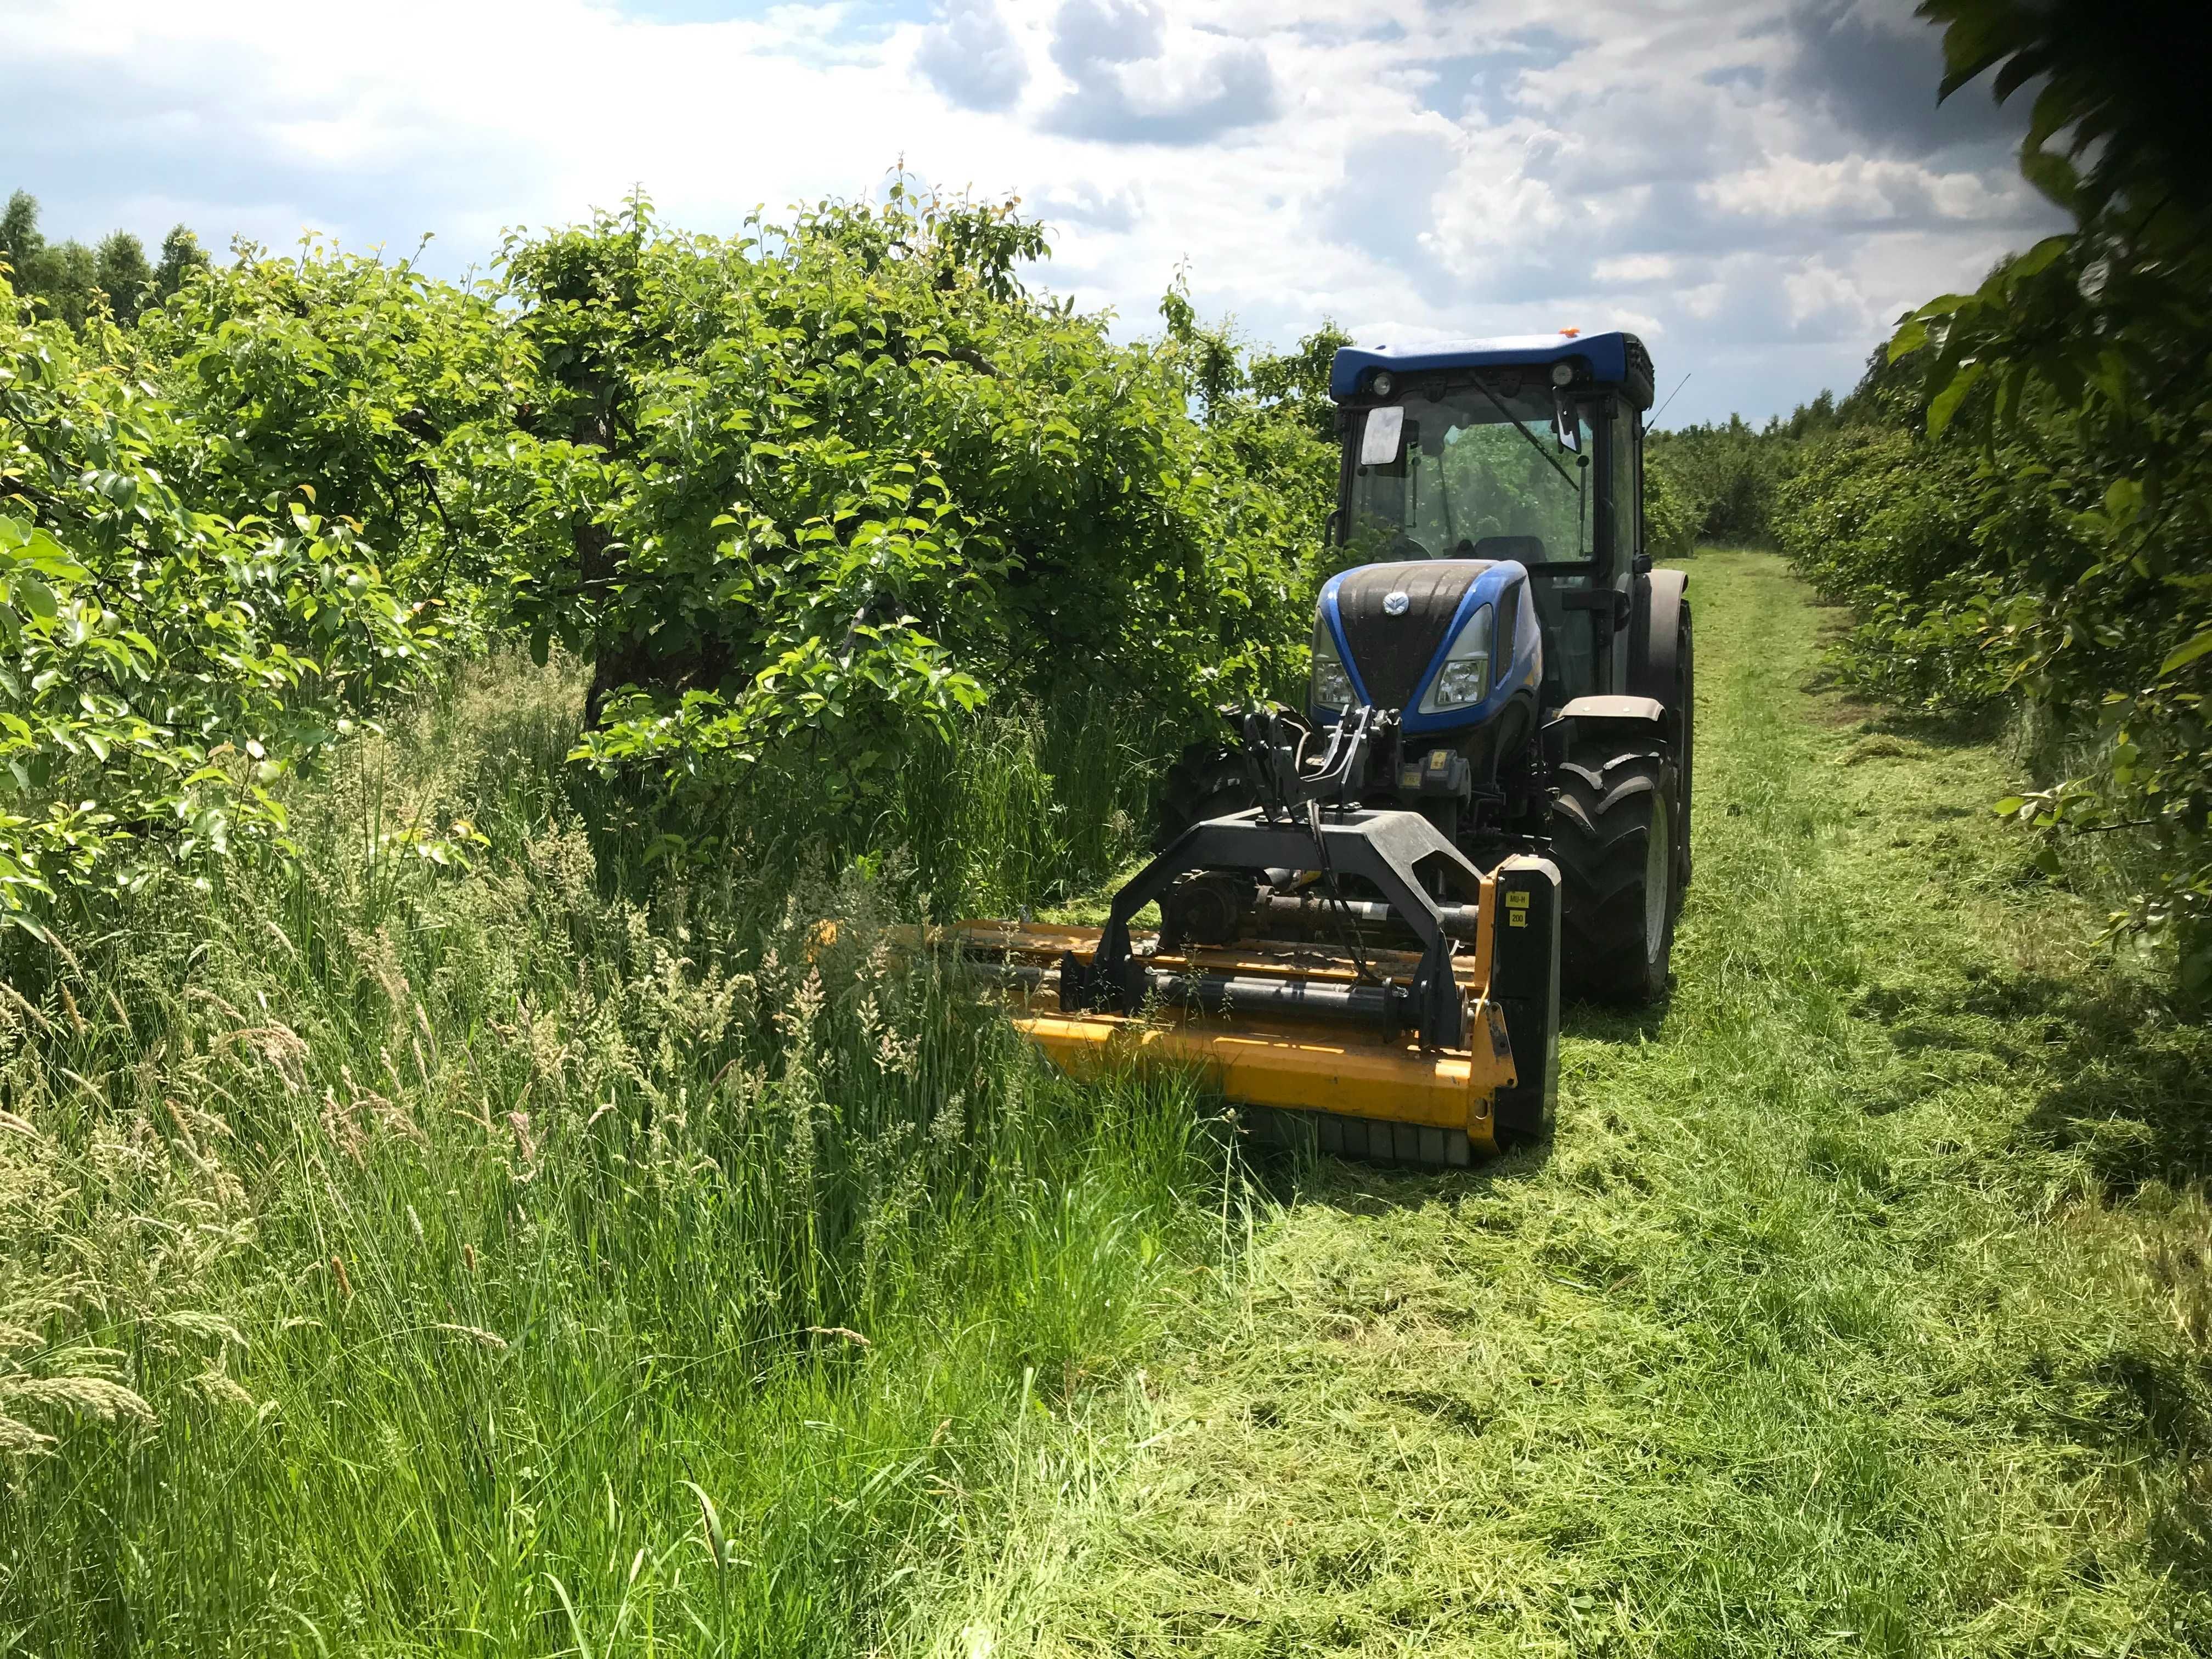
(1850, 1311)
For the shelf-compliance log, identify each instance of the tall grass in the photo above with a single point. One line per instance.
(405, 1254)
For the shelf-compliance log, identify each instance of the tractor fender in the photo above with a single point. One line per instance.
(1605, 711)
(1638, 720)
(1655, 632)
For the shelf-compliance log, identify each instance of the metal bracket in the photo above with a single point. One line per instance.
(1384, 848)
(1272, 745)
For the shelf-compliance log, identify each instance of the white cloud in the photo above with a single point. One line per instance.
(1703, 301)
(1133, 79)
(972, 57)
(1817, 294)
(1631, 269)
(1452, 171)
(1860, 187)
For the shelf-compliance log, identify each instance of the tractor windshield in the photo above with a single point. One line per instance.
(1474, 474)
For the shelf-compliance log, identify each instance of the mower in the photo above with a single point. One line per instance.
(1370, 907)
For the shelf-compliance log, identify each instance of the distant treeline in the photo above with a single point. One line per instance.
(69, 281)
(1728, 476)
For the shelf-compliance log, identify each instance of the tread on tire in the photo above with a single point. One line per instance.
(1615, 936)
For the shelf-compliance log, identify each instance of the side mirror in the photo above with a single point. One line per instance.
(1379, 439)
(1565, 426)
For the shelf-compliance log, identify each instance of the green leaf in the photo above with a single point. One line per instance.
(2182, 656)
(1943, 304)
(1944, 403)
(2039, 257)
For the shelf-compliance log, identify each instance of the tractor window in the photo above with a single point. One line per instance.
(1622, 467)
(1478, 478)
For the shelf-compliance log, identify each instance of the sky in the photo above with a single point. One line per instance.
(1757, 187)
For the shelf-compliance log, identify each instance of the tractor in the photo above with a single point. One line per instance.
(1370, 907)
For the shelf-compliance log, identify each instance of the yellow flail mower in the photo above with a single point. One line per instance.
(1369, 907)
(1419, 1026)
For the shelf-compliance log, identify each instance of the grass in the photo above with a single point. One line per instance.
(398, 1259)
(402, 1258)
(1860, 1304)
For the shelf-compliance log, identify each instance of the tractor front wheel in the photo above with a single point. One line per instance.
(1613, 823)
(1208, 780)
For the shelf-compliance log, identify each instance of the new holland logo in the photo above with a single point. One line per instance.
(1396, 605)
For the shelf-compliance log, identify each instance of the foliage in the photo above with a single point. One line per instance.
(1724, 477)
(161, 664)
(2053, 515)
(1278, 437)
(379, 389)
(1670, 525)
(1295, 383)
(808, 501)
(1877, 518)
(811, 497)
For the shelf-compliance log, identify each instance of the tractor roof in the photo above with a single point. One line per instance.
(1612, 358)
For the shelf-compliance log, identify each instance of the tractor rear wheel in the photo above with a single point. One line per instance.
(1208, 780)
(1612, 836)
(1685, 704)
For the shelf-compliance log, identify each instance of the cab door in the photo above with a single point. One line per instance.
(1584, 606)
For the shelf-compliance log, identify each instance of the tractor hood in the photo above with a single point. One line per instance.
(1393, 624)
(1390, 652)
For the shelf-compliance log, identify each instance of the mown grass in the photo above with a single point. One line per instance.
(1860, 1304)
(406, 1259)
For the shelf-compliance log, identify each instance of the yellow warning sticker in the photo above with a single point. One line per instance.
(1517, 901)
(1517, 918)
(1439, 759)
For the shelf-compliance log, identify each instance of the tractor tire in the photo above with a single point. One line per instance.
(1685, 707)
(1207, 782)
(1612, 836)
(1662, 664)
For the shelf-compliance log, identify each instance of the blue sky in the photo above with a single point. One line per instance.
(1757, 186)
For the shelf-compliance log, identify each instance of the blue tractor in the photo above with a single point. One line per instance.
(1526, 673)
(1369, 907)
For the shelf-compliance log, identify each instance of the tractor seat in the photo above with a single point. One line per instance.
(1527, 550)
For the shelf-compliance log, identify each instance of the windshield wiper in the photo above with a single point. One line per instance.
(1530, 435)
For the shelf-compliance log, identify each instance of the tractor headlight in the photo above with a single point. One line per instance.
(1332, 685)
(1464, 680)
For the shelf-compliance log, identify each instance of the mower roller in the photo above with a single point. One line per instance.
(1369, 907)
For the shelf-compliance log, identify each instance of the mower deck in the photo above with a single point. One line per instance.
(1373, 1091)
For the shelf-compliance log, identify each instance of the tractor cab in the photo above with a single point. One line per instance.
(1480, 452)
